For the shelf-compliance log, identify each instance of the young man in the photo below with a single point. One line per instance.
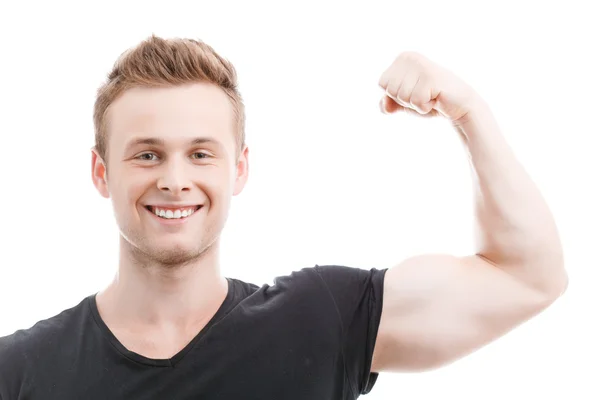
(170, 153)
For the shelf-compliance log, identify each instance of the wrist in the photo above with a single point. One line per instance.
(477, 111)
(479, 130)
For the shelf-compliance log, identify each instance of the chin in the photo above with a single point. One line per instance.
(172, 253)
(173, 256)
(168, 251)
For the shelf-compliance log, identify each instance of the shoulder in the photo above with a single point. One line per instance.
(350, 284)
(347, 289)
(25, 347)
(332, 276)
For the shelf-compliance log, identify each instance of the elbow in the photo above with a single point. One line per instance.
(563, 283)
(548, 274)
(561, 278)
(558, 285)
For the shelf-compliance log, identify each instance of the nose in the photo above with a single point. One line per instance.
(174, 179)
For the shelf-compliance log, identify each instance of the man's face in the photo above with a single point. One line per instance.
(171, 152)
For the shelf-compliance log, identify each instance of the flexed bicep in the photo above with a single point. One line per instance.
(438, 308)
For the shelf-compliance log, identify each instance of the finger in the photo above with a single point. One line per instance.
(394, 83)
(428, 109)
(387, 75)
(407, 87)
(421, 96)
(384, 79)
(387, 105)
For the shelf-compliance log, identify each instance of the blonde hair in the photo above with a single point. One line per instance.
(159, 62)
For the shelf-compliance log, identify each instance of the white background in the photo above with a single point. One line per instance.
(332, 180)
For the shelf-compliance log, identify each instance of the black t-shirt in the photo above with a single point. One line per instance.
(310, 335)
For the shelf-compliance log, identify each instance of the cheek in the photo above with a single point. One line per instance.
(135, 192)
(127, 192)
(218, 184)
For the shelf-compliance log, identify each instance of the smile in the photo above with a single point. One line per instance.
(173, 213)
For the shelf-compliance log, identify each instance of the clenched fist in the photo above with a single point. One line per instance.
(415, 84)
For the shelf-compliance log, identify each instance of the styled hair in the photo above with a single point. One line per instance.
(159, 62)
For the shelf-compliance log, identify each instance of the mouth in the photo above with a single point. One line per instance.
(173, 213)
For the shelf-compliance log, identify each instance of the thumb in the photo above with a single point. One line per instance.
(387, 105)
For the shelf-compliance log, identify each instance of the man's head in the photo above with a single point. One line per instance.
(169, 126)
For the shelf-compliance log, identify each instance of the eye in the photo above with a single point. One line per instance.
(199, 155)
(147, 157)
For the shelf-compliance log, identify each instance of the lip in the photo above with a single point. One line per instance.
(173, 206)
(174, 221)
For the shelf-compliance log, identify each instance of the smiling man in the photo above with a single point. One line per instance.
(170, 153)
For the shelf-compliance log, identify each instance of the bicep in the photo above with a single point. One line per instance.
(438, 308)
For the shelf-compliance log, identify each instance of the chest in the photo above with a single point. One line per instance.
(235, 361)
(274, 370)
(160, 345)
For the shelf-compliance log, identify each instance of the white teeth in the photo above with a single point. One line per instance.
(170, 214)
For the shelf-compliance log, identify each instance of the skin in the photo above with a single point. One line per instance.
(436, 307)
(168, 284)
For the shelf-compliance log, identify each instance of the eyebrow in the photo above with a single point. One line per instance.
(151, 141)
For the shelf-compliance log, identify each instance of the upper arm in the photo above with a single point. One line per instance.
(438, 308)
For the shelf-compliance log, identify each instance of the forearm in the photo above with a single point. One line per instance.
(515, 228)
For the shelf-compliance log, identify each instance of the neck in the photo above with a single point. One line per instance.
(145, 293)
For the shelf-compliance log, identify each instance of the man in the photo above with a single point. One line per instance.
(170, 153)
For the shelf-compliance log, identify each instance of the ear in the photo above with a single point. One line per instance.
(242, 169)
(99, 174)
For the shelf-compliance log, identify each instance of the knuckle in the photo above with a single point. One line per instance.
(403, 99)
(404, 94)
(417, 101)
(410, 57)
(392, 88)
(382, 82)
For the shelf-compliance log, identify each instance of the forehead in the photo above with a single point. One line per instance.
(171, 113)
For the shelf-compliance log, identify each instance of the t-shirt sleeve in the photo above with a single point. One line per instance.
(358, 296)
(11, 366)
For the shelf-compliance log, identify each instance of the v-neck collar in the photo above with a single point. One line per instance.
(158, 362)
